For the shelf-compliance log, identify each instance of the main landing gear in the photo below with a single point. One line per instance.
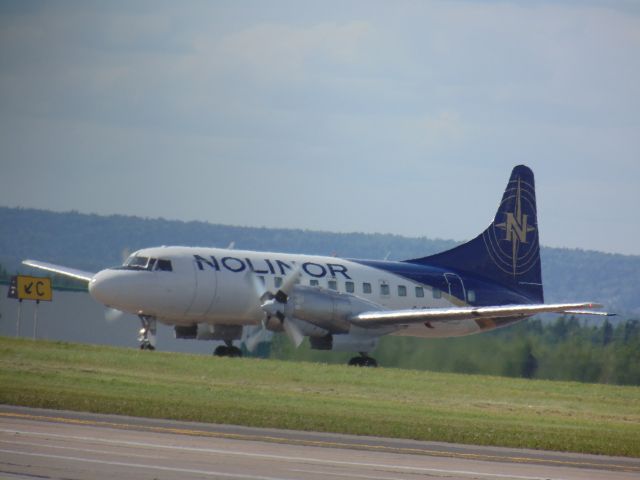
(227, 350)
(363, 360)
(147, 336)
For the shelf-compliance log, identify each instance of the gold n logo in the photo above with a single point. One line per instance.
(516, 226)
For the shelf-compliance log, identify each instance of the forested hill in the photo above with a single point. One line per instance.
(92, 242)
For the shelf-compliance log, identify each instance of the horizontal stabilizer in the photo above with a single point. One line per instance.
(405, 317)
(66, 271)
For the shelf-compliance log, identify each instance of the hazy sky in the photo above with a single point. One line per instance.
(402, 117)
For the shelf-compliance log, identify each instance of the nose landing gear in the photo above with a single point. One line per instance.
(147, 335)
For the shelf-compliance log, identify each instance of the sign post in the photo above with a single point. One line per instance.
(19, 315)
(23, 287)
(35, 320)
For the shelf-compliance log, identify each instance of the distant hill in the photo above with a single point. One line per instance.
(92, 242)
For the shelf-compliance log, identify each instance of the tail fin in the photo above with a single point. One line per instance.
(508, 251)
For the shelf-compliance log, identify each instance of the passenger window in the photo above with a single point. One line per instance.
(384, 289)
(366, 287)
(333, 285)
(350, 287)
(314, 282)
(419, 292)
(471, 295)
(437, 293)
(277, 281)
(164, 265)
(402, 291)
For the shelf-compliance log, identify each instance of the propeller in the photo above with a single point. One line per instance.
(274, 305)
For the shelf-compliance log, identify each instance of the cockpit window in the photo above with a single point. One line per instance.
(164, 265)
(145, 263)
(137, 262)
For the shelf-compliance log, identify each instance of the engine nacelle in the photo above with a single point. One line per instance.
(327, 309)
(204, 331)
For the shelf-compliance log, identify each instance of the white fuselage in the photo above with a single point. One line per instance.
(215, 286)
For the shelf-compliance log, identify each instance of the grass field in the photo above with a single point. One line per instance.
(383, 402)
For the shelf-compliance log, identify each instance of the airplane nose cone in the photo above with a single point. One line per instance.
(118, 289)
(104, 288)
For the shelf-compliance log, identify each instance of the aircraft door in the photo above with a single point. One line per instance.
(204, 291)
(455, 286)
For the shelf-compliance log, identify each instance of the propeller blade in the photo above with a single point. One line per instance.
(293, 331)
(260, 334)
(259, 287)
(283, 292)
(289, 282)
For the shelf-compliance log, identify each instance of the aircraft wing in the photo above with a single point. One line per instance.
(69, 272)
(404, 317)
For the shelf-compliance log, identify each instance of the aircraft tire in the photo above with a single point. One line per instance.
(225, 351)
(221, 351)
(234, 352)
(363, 361)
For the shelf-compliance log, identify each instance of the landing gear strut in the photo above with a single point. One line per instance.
(147, 336)
(363, 360)
(227, 350)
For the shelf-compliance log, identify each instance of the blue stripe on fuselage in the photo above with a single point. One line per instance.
(487, 293)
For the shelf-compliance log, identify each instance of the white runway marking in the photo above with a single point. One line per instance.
(146, 467)
(306, 460)
(86, 450)
(346, 475)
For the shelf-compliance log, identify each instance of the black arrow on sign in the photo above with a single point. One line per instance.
(27, 288)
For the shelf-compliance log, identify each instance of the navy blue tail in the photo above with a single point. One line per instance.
(508, 251)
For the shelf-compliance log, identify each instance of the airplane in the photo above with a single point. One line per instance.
(340, 304)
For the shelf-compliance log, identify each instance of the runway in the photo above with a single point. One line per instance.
(49, 444)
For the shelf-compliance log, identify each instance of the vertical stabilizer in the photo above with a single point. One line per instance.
(508, 251)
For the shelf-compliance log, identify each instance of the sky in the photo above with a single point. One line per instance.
(400, 117)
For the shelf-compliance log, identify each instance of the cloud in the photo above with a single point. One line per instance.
(406, 98)
(286, 53)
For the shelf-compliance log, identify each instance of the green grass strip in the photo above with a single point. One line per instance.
(422, 405)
